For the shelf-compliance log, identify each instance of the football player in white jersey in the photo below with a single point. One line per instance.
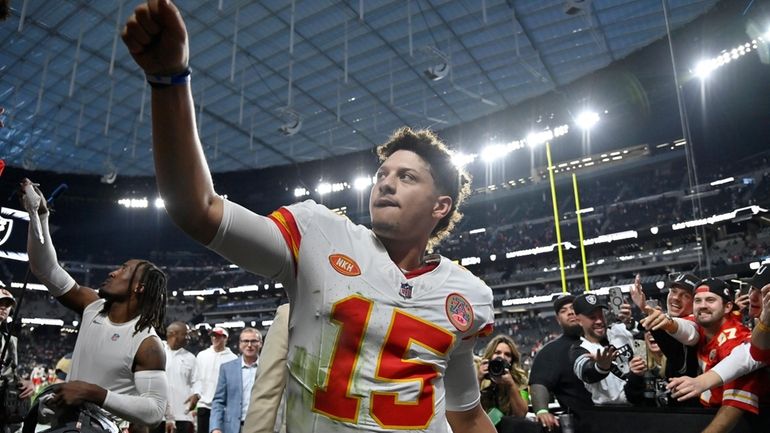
(381, 335)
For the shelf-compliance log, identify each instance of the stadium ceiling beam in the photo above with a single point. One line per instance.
(597, 31)
(528, 34)
(387, 43)
(498, 91)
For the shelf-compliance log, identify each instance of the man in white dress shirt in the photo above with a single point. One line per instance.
(207, 365)
(180, 369)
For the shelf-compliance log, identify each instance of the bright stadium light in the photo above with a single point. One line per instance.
(300, 192)
(704, 68)
(324, 188)
(159, 204)
(134, 203)
(361, 183)
(460, 159)
(586, 120)
(493, 152)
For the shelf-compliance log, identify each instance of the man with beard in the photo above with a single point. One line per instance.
(597, 363)
(118, 362)
(551, 374)
(740, 361)
(680, 359)
(716, 333)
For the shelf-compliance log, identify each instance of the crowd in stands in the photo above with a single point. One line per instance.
(520, 221)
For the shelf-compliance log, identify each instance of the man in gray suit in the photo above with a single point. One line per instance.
(236, 378)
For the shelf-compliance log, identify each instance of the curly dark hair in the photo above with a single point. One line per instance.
(450, 179)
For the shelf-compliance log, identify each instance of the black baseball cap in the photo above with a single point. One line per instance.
(684, 281)
(560, 301)
(715, 286)
(761, 278)
(586, 304)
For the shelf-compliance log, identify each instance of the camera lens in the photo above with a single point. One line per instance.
(497, 367)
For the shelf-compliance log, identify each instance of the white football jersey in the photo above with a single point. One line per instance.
(370, 348)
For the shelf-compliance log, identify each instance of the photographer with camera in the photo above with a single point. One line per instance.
(503, 386)
(13, 390)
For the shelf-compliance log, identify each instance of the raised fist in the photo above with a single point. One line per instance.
(156, 37)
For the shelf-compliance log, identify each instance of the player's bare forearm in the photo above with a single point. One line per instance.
(725, 419)
(183, 176)
(540, 396)
(156, 37)
(472, 421)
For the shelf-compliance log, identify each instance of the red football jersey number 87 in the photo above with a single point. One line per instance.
(334, 399)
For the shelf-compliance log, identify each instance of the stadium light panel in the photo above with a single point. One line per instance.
(704, 68)
(300, 192)
(722, 181)
(134, 203)
(324, 188)
(233, 324)
(42, 321)
(159, 203)
(361, 183)
(30, 286)
(493, 152)
(460, 159)
(587, 120)
(533, 139)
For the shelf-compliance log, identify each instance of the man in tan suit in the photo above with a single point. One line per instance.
(268, 388)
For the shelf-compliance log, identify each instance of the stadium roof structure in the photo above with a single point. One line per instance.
(335, 76)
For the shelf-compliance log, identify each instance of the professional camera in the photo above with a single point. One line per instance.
(12, 408)
(656, 392)
(497, 367)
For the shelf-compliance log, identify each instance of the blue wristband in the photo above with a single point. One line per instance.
(160, 81)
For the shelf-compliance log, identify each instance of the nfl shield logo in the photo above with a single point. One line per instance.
(405, 291)
(115, 337)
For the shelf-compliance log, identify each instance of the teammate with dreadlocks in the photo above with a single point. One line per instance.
(118, 362)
